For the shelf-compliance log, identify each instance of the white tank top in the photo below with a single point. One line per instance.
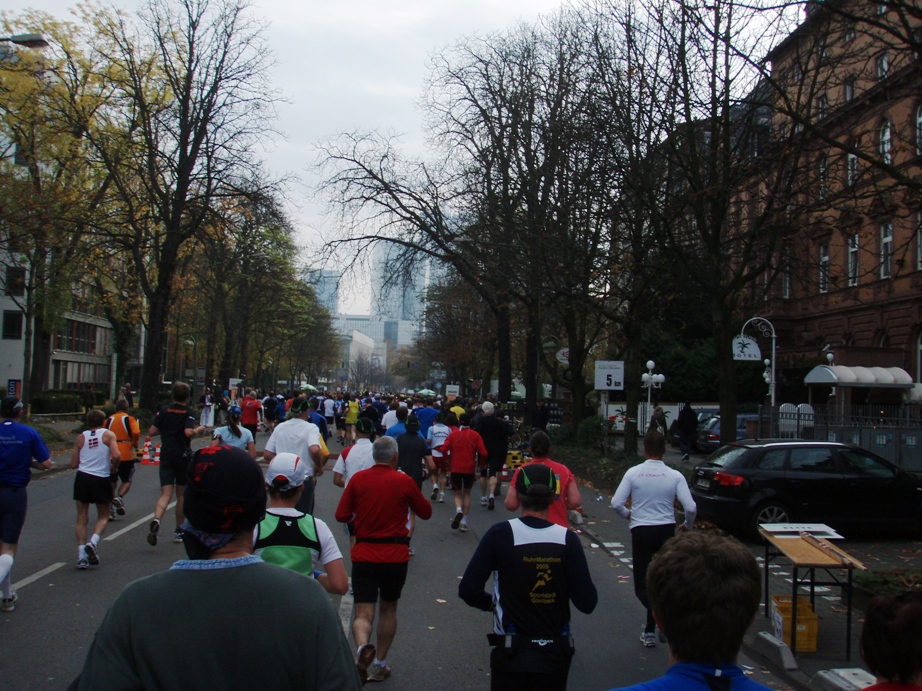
(94, 456)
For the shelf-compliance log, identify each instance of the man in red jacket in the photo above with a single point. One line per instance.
(466, 453)
(378, 500)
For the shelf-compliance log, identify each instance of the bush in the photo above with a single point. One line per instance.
(591, 432)
(49, 435)
(51, 402)
(559, 434)
(888, 582)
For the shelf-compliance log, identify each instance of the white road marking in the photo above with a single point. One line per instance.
(35, 576)
(147, 519)
(345, 611)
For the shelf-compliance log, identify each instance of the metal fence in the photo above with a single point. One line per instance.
(893, 432)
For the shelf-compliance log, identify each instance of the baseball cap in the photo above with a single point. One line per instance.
(299, 405)
(487, 408)
(9, 405)
(412, 423)
(364, 425)
(536, 480)
(226, 491)
(234, 410)
(287, 467)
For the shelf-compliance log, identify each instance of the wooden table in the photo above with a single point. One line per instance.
(804, 551)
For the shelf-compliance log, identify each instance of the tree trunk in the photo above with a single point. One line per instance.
(157, 314)
(633, 369)
(726, 369)
(532, 364)
(504, 348)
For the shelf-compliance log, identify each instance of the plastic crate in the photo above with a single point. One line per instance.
(808, 624)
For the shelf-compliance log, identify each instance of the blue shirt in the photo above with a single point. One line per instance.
(687, 676)
(226, 435)
(426, 418)
(396, 430)
(19, 444)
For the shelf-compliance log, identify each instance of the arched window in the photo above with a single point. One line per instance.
(882, 340)
(919, 130)
(919, 358)
(885, 142)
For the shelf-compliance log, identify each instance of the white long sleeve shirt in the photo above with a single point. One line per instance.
(653, 488)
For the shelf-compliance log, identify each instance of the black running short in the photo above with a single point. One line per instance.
(370, 578)
(13, 503)
(174, 470)
(461, 481)
(91, 489)
(124, 473)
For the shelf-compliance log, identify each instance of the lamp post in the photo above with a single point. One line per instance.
(190, 340)
(650, 381)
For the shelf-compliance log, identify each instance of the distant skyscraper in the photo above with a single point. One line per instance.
(398, 290)
(326, 286)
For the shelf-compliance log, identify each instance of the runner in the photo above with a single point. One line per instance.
(568, 496)
(252, 412)
(233, 434)
(378, 500)
(350, 415)
(175, 424)
(96, 457)
(495, 433)
(302, 438)
(292, 538)
(466, 453)
(128, 435)
(438, 433)
(21, 448)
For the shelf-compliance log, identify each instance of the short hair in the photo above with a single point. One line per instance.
(465, 419)
(121, 404)
(276, 493)
(654, 444)
(402, 413)
(95, 418)
(180, 392)
(705, 589)
(532, 502)
(891, 640)
(450, 419)
(384, 449)
(540, 444)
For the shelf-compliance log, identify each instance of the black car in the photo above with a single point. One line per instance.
(708, 434)
(750, 482)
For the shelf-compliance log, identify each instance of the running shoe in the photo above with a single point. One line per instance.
(378, 671)
(82, 564)
(177, 536)
(412, 552)
(152, 532)
(365, 658)
(483, 501)
(491, 503)
(462, 528)
(661, 635)
(111, 512)
(435, 492)
(441, 497)
(119, 505)
(92, 554)
(8, 604)
(648, 638)
(456, 521)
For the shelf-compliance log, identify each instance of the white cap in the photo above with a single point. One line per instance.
(287, 466)
(487, 408)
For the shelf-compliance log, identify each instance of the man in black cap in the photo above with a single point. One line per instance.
(21, 448)
(247, 623)
(540, 568)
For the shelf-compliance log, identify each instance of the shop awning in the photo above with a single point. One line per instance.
(866, 377)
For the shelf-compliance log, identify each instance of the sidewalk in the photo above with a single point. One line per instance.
(608, 531)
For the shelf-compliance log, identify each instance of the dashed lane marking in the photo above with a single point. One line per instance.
(149, 517)
(35, 576)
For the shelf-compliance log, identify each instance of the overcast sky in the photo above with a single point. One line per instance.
(352, 64)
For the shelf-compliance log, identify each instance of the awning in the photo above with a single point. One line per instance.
(867, 377)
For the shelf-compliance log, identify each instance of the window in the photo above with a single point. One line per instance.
(851, 168)
(787, 287)
(849, 30)
(857, 462)
(919, 130)
(773, 459)
(848, 87)
(885, 143)
(822, 173)
(812, 460)
(852, 258)
(824, 268)
(880, 8)
(886, 249)
(919, 240)
(883, 66)
(12, 325)
(822, 107)
(16, 280)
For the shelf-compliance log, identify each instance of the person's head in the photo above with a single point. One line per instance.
(487, 408)
(314, 404)
(384, 450)
(251, 393)
(224, 500)
(95, 418)
(540, 444)
(300, 408)
(891, 640)
(540, 402)
(705, 589)
(180, 392)
(121, 405)
(285, 476)
(654, 445)
(412, 424)
(536, 486)
(127, 386)
(394, 404)
(465, 420)
(403, 414)
(450, 419)
(658, 410)
(364, 427)
(10, 407)
(234, 412)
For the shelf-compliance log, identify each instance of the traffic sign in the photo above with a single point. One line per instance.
(609, 375)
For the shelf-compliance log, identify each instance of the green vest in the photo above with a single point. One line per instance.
(289, 541)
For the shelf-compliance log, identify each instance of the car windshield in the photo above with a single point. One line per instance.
(725, 455)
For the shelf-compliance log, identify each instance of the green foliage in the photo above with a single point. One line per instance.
(559, 434)
(51, 402)
(890, 581)
(49, 435)
(591, 432)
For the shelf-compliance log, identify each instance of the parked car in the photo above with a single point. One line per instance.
(708, 436)
(751, 482)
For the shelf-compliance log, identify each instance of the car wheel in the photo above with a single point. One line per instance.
(769, 512)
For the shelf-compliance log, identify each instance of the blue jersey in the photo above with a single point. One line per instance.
(19, 445)
(685, 676)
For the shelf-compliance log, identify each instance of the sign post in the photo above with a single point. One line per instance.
(609, 376)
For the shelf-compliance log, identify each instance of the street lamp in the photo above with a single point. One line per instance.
(650, 381)
(192, 341)
(27, 40)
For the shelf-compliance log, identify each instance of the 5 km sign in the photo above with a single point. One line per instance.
(609, 375)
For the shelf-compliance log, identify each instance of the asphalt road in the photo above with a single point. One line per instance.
(440, 641)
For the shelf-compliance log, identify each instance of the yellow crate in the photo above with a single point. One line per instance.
(514, 459)
(808, 624)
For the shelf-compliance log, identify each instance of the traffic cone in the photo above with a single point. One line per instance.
(157, 455)
(145, 454)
